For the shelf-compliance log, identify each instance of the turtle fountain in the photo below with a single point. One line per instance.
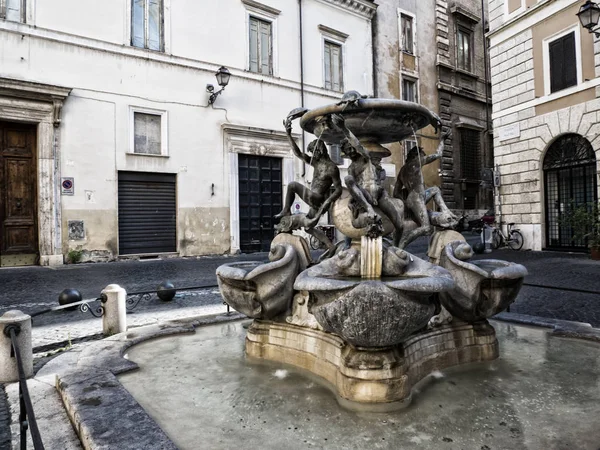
(369, 318)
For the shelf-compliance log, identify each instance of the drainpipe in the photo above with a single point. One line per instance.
(302, 77)
(374, 47)
(487, 95)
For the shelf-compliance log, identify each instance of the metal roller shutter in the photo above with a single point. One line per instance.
(147, 213)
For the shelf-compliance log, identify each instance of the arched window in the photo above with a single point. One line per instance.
(569, 179)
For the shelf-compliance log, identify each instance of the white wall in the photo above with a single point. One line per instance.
(84, 46)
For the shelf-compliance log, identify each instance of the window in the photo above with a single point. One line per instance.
(12, 10)
(333, 66)
(563, 62)
(335, 153)
(406, 24)
(147, 24)
(147, 133)
(261, 46)
(409, 90)
(464, 49)
(470, 149)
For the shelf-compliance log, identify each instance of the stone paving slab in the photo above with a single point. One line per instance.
(5, 419)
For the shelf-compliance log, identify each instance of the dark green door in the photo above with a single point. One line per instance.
(260, 197)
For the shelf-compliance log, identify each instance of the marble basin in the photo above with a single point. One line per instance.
(372, 120)
(372, 313)
(261, 290)
(482, 288)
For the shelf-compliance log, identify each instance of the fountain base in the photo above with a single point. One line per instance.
(374, 379)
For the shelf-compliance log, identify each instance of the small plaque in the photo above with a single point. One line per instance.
(67, 186)
(76, 230)
(509, 132)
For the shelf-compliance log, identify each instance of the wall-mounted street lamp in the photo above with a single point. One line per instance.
(589, 15)
(222, 76)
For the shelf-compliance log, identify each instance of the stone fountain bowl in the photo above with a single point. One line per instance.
(372, 312)
(482, 288)
(372, 120)
(261, 290)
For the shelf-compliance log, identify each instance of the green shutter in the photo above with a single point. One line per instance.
(253, 45)
(265, 48)
(327, 56)
(336, 67)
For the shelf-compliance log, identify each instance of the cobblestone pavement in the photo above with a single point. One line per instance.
(4, 420)
(560, 270)
(35, 288)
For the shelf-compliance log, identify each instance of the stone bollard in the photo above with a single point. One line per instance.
(114, 319)
(8, 362)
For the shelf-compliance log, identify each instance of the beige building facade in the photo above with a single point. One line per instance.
(545, 70)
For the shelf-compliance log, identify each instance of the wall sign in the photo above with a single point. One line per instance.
(67, 186)
(509, 132)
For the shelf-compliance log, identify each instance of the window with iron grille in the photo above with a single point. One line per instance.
(333, 66)
(261, 46)
(470, 149)
(563, 62)
(13, 10)
(406, 22)
(147, 24)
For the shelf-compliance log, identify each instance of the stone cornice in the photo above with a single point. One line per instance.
(269, 10)
(27, 90)
(257, 141)
(10, 87)
(363, 8)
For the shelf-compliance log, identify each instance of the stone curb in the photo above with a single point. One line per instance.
(103, 413)
(563, 328)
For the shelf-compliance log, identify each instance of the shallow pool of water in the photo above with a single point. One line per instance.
(542, 393)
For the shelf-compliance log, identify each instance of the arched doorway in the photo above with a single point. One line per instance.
(569, 178)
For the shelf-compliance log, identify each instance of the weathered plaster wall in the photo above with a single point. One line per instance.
(393, 64)
(203, 231)
(88, 49)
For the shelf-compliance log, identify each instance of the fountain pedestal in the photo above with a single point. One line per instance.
(374, 379)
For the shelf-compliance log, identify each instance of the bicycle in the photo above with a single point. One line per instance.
(513, 238)
(329, 231)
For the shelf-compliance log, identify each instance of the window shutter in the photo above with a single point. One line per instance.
(556, 65)
(154, 24)
(570, 60)
(147, 133)
(137, 24)
(253, 45)
(336, 69)
(13, 10)
(265, 48)
(327, 57)
(563, 60)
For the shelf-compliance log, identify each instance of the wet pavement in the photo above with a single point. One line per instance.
(34, 288)
(542, 393)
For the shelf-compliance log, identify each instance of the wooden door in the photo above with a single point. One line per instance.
(18, 192)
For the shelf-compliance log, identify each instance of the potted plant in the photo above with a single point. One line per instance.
(584, 221)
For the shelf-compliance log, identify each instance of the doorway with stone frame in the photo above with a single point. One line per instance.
(569, 167)
(18, 200)
(31, 218)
